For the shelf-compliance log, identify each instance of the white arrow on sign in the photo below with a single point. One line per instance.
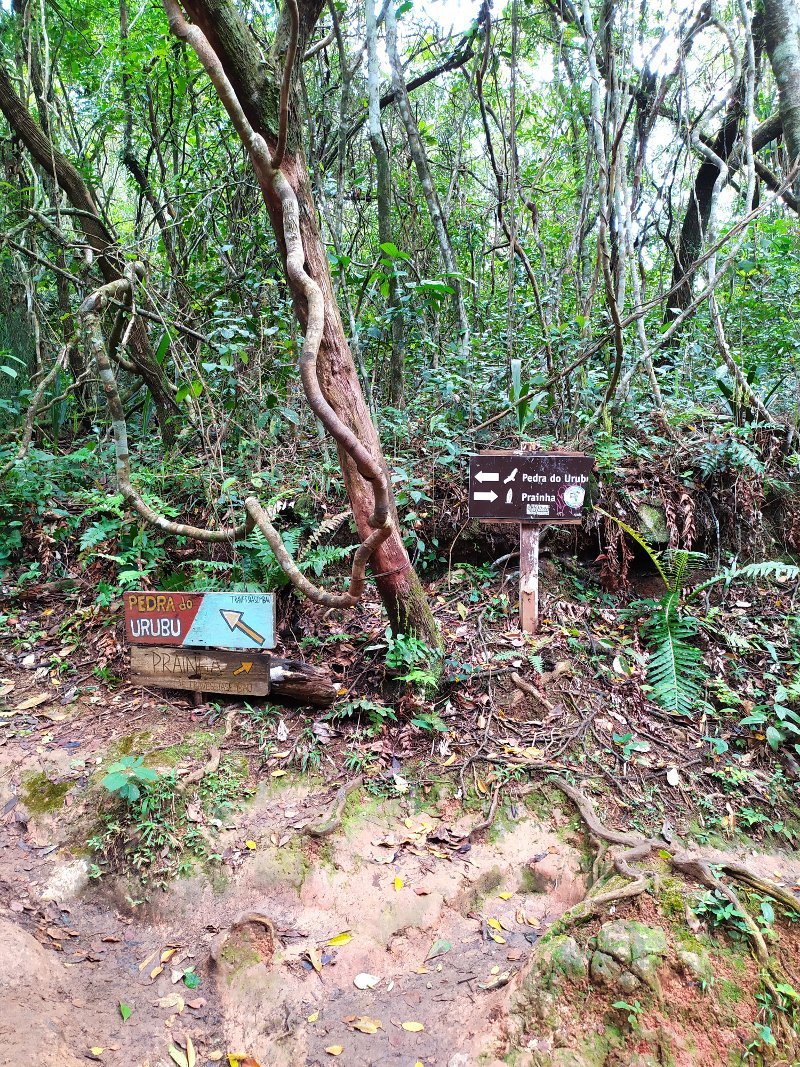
(491, 495)
(487, 476)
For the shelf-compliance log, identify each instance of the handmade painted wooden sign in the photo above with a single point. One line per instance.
(207, 671)
(529, 486)
(197, 620)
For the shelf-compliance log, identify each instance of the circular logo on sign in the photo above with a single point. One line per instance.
(573, 496)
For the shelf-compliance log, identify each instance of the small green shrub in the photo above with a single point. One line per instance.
(126, 776)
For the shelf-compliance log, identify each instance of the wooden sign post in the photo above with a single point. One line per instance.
(166, 632)
(533, 489)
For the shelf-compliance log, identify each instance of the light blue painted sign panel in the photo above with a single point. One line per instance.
(234, 620)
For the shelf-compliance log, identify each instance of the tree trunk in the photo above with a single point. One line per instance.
(417, 150)
(698, 211)
(383, 192)
(782, 27)
(109, 256)
(256, 82)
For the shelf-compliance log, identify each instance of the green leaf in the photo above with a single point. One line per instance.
(124, 1011)
(774, 737)
(438, 948)
(147, 774)
(114, 781)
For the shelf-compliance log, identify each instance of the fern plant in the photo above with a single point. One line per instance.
(675, 672)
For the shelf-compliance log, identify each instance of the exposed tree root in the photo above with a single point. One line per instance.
(487, 822)
(333, 819)
(531, 690)
(692, 865)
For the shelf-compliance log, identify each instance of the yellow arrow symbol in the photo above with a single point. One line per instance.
(244, 669)
(234, 621)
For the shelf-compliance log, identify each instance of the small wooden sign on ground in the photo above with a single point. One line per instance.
(201, 670)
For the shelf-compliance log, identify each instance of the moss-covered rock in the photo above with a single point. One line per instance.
(41, 795)
(563, 956)
(627, 953)
(697, 964)
(652, 523)
(604, 970)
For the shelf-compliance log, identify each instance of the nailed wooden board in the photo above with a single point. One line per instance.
(235, 673)
(197, 620)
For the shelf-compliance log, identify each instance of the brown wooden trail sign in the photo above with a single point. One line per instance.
(201, 670)
(533, 489)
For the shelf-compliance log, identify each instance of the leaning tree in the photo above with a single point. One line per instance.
(258, 91)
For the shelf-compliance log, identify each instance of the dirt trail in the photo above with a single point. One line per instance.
(376, 878)
(445, 933)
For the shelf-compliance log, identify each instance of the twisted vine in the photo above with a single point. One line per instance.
(272, 179)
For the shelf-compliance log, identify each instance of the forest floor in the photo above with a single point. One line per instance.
(439, 922)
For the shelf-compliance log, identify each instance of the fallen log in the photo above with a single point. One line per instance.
(296, 680)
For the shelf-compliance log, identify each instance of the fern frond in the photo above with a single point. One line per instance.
(653, 553)
(768, 568)
(319, 558)
(680, 564)
(675, 671)
(327, 528)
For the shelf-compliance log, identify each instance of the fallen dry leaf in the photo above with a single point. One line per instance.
(32, 702)
(398, 884)
(339, 939)
(365, 981)
(173, 1000)
(413, 1028)
(178, 1056)
(335, 1050)
(366, 1025)
(312, 1018)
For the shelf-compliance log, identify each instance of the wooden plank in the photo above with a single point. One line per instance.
(210, 671)
(199, 620)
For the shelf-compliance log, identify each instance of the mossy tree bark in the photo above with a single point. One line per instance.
(782, 23)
